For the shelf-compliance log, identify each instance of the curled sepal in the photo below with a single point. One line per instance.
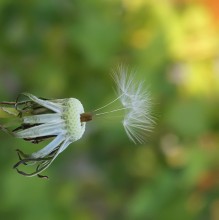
(40, 163)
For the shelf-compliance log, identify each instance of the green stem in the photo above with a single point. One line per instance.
(8, 115)
(8, 112)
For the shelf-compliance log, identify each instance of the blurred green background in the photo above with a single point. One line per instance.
(68, 48)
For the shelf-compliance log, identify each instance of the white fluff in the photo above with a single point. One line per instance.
(137, 103)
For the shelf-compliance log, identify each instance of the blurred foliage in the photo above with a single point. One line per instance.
(58, 49)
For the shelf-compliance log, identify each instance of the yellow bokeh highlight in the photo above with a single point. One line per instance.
(196, 37)
(140, 38)
(133, 5)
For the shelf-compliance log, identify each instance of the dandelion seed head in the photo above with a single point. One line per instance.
(62, 121)
(71, 114)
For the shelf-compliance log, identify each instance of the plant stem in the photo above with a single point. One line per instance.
(8, 112)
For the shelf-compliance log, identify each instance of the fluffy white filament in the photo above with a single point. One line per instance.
(135, 98)
(135, 102)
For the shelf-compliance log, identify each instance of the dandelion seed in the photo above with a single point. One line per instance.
(64, 120)
(135, 102)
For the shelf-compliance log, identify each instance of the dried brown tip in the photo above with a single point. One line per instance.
(86, 117)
